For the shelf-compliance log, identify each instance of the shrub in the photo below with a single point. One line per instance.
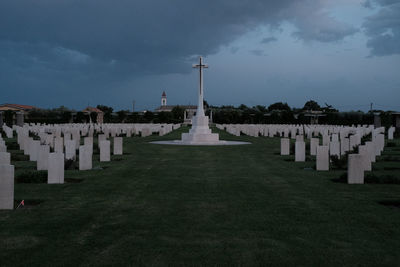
(96, 150)
(391, 144)
(366, 138)
(69, 164)
(12, 145)
(293, 148)
(19, 157)
(32, 177)
(339, 163)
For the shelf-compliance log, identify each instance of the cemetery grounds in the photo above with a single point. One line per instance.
(198, 206)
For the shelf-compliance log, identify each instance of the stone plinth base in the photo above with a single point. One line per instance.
(200, 132)
(200, 135)
(199, 138)
(217, 143)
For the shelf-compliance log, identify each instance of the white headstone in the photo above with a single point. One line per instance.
(70, 149)
(353, 141)
(314, 142)
(6, 187)
(34, 150)
(3, 148)
(391, 132)
(59, 145)
(117, 146)
(371, 150)
(322, 158)
(43, 158)
(325, 140)
(26, 142)
(85, 158)
(344, 146)
(5, 158)
(379, 144)
(88, 142)
(55, 174)
(101, 137)
(105, 150)
(285, 146)
(300, 151)
(355, 170)
(366, 158)
(334, 148)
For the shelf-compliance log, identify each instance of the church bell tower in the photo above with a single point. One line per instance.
(163, 99)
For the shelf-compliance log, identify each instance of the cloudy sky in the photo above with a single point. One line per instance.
(86, 52)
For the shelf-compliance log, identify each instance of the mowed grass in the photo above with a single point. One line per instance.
(161, 205)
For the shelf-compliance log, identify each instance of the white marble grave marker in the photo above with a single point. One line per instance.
(117, 146)
(55, 174)
(105, 150)
(6, 187)
(300, 151)
(355, 170)
(322, 158)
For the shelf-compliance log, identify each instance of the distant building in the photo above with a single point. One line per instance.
(164, 99)
(16, 107)
(396, 116)
(190, 110)
(314, 115)
(100, 114)
(18, 110)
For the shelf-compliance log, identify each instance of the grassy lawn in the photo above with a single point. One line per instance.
(196, 206)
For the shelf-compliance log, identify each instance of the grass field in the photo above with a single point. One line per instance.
(161, 205)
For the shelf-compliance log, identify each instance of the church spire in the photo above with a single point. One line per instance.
(163, 99)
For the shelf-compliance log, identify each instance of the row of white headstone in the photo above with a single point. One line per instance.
(291, 131)
(108, 129)
(64, 140)
(357, 163)
(6, 177)
(336, 141)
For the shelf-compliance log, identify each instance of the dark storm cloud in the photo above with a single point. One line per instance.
(314, 23)
(78, 47)
(152, 35)
(383, 29)
(371, 3)
(267, 40)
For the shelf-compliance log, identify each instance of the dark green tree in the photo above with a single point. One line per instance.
(65, 116)
(178, 113)
(133, 118)
(329, 108)
(148, 116)
(243, 107)
(311, 105)
(279, 106)
(165, 117)
(205, 105)
(93, 117)
(107, 112)
(80, 117)
(9, 117)
(122, 115)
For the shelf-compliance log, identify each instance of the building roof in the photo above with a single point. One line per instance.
(169, 108)
(92, 109)
(16, 107)
(164, 94)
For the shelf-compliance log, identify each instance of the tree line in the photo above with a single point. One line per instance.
(276, 113)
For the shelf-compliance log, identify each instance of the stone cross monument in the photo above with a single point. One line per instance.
(200, 106)
(200, 132)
